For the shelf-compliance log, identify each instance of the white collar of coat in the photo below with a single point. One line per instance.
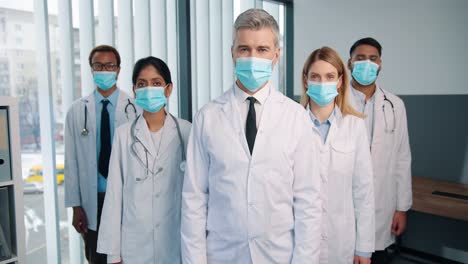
(274, 96)
(122, 98)
(261, 96)
(142, 132)
(357, 95)
(337, 115)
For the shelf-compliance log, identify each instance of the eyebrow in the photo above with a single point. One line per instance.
(328, 73)
(109, 62)
(364, 55)
(153, 79)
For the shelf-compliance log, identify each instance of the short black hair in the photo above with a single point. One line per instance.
(157, 63)
(104, 48)
(366, 41)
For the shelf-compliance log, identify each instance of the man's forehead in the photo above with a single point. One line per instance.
(365, 50)
(104, 55)
(250, 37)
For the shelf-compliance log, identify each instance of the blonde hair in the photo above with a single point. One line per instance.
(331, 56)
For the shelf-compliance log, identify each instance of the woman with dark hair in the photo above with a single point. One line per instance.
(141, 214)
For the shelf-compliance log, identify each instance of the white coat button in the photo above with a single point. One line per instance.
(156, 226)
(156, 195)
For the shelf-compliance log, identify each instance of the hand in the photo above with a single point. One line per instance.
(399, 223)
(361, 260)
(80, 222)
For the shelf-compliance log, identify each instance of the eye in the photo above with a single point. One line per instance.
(263, 50)
(157, 83)
(140, 84)
(314, 78)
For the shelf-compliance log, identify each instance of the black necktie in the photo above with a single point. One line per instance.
(251, 124)
(104, 154)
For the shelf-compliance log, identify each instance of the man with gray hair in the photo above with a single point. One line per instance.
(252, 184)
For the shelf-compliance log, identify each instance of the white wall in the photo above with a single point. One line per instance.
(425, 42)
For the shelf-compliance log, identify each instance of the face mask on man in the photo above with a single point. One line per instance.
(150, 98)
(322, 93)
(253, 72)
(105, 79)
(365, 72)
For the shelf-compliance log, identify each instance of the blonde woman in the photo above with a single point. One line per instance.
(346, 172)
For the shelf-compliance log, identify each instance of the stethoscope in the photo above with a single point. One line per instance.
(146, 165)
(85, 131)
(385, 115)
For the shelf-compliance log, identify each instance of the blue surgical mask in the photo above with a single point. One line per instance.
(105, 79)
(365, 72)
(150, 98)
(253, 72)
(322, 93)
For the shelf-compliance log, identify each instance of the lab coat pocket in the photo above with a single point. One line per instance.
(342, 158)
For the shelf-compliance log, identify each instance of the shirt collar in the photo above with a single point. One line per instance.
(261, 96)
(112, 98)
(329, 120)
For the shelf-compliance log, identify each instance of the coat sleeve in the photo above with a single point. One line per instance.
(195, 198)
(363, 192)
(403, 165)
(109, 237)
(307, 204)
(72, 183)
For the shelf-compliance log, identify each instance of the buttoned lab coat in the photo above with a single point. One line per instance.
(140, 220)
(259, 208)
(347, 191)
(391, 161)
(80, 152)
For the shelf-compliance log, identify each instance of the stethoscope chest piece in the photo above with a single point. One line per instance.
(183, 165)
(84, 132)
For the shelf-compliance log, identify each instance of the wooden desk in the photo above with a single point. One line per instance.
(425, 201)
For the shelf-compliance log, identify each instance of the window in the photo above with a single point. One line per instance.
(211, 37)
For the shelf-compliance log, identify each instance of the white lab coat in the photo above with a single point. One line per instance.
(391, 161)
(264, 208)
(141, 213)
(80, 152)
(347, 191)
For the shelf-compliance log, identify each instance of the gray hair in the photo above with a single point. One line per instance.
(256, 19)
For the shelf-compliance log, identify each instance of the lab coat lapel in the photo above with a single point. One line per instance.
(335, 124)
(273, 105)
(120, 116)
(91, 108)
(142, 134)
(169, 134)
(232, 114)
(379, 125)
